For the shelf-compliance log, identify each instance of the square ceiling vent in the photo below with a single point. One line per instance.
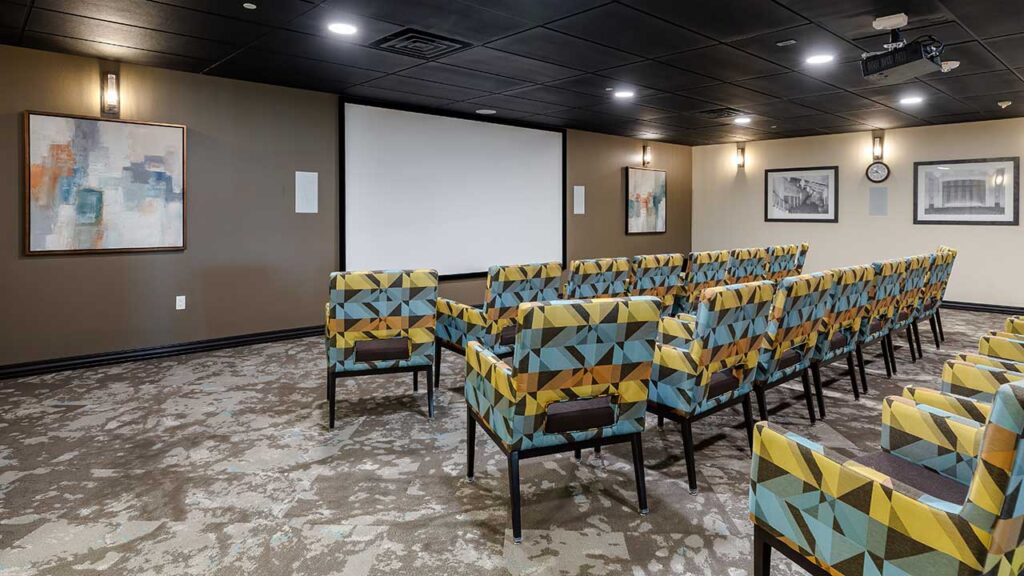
(419, 44)
(719, 113)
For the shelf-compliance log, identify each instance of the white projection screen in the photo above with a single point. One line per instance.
(459, 196)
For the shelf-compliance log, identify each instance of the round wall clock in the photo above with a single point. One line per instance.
(877, 172)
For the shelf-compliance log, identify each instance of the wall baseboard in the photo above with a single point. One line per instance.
(975, 307)
(106, 358)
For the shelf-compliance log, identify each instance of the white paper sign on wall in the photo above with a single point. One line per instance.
(878, 201)
(306, 192)
(579, 198)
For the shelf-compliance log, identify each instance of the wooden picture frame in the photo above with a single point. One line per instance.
(997, 167)
(646, 189)
(56, 175)
(777, 207)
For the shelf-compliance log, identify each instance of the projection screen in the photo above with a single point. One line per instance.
(424, 191)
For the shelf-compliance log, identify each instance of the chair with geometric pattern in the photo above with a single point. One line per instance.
(978, 380)
(943, 496)
(705, 363)
(882, 297)
(911, 299)
(782, 261)
(801, 258)
(935, 291)
(380, 322)
(493, 324)
(1015, 325)
(703, 270)
(657, 275)
(800, 305)
(578, 379)
(746, 265)
(598, 278)
(1002, 345)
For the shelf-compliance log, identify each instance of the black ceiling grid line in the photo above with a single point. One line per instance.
(24, 21)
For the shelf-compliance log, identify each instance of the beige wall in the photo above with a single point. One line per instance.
(252, 264)
(728, 204)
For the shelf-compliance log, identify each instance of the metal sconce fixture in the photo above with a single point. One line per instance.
(741, 155)
(111, 96)
(877, 144)
(646, 159)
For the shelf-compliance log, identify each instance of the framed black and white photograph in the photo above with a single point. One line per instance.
(801, 194)
(984, 191)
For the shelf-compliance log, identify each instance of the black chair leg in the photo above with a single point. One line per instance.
(748, 420)
(917, 338)
(935, 331)
(437, 360)
(885, 357)
(892, 352)
(910, 341)
(860, 368)
(661, 421)
(430, 394)
(415, 381)
(597, 449)
(638, 472)
(808, 394)
(513, 490)
(578, 454)
(853, 375)
(762, 555)
(331, 393)
(816, 377)
(938, 322)
(470, 442)
(762, 404)
(691, 467)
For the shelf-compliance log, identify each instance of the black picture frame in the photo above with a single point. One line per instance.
(625, 196)
(1016, 192)
(835, 180)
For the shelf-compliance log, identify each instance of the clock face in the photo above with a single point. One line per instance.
(878, 172)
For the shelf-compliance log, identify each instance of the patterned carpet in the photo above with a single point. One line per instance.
(221, 463)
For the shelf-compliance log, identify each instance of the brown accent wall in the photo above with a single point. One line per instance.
(252, 264)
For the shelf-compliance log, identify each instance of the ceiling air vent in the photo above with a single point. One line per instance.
(719, 113)
(419, 44)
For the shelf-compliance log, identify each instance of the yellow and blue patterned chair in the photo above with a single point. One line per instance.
(882, 297)
(746, 265)
(1003, 345)
(657, 275)
(706, 363)
(598, 278)
(800, 305)
(703, 270)
(578, 379)
(380, 322)
(935, 291)
(911, 299)
(841, 328)
(942, 497)
(1014, 325)
(782, 261)
(978, 377)
(494, 325)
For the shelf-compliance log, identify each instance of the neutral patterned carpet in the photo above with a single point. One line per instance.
(221, 463)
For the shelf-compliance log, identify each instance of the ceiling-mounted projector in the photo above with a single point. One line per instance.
(902, 60)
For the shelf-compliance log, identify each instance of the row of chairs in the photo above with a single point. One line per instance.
(942, 496)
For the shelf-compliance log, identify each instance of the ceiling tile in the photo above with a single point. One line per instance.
(500, 113)
(882, 118)
(935, 103)
(956, 118)
(12, 15)
(456, 19)
(988, 18)
(275, 13)
(601, 86)
(810, 40)
(789, 85)
(519, 104)
(728, 95)
(562, 49)
(60, 24)
(259, 66)
(657, 75)
(974, 58)
(392, 97)
(622, 27)
(947, 32)
(318, 19)
(723, 20)
(164, 17)
(975, 84)
(336, 51)
(424, 87)
(505, 64)
(688, 121)
(723, 62)
(780, 109)
(553, 95)
(818, 121)
(847, 128)
(847, 75)
(853, 18)
(111, 52)
(838, 102)
(537, 11)
(989, 103)
(676, 103)
(631, 110)
(1009, 48)
(445, 74)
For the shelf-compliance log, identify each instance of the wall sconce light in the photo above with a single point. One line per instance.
(111, 94)
(741, 155)
(646, 159)
(877, 144)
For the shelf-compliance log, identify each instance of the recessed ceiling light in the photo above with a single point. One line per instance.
(248, 5)
(486, 111)
(783, 43)
(623, 94)
(343, 28)
(820, 59)
(911, 100)
(742, 120)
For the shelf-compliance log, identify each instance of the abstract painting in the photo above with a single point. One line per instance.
(646, 201)
(801, 194)
(96, 185)
(981, 192)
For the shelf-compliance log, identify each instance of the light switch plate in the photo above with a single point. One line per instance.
(179, 302)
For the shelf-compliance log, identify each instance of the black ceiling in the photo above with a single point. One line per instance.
(551, 62)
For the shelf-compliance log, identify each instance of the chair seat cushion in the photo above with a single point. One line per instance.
(508, 335)
(722, 383)
(838, 341)
(382, 350)
(917, 477)
(789, 358)
(577, 415)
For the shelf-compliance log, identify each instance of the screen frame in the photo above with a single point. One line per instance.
(342, 101)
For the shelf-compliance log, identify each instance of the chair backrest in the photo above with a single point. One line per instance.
(747, 265)
(884, 291)
(1014, 325)
(782, 261)
(801, 258)
(703, 270)
(912, 285)
(381, 304)
(655, 274)
(598, 278)
(848, 309)
(731, 325)
(510, 286)
(938, 278)
(800, 305)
